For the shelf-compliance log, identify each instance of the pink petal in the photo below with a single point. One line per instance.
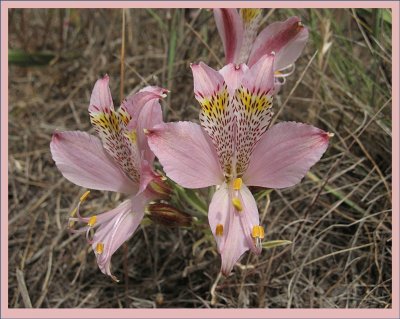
(101, 99)
(237, 226)
(260, 76)
(219, 212)
(186, 154)
(217, 114)
(284, 154)
(287, 39)
(135, 103)
(113, 232)
(233, 75)
(207, 81)
(150, 116)
(230, 28)
(146, 176)
(253, 105)
(82, 159)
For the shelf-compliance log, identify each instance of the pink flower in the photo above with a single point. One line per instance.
(234, 148)
(238, 32)
(119, 161)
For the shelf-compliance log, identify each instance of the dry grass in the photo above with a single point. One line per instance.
(339, 217)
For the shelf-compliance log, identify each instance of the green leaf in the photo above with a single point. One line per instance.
(275, 243)
(22, 58)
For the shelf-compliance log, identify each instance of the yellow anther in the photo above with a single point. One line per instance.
(258, 232)
(237, 204)
(300, 24)
(73, 213)
(262, 232)
(100, 248)
(146, 131)
(237, 184)
(331, 135)
(219, 230)
(92, 221)
(84, 196)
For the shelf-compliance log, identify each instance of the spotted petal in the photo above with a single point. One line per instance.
(253, 102)
(82, 159)
(216, 115)
(284, 155)
(110, 125)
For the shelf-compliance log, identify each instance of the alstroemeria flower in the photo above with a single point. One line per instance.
(234, 148)
(238, 32)
(119, 161)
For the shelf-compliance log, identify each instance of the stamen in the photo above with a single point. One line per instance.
(92, 221)
(99, 248)
(255, 232)
(237, 204)
(237, 184)
(219, 230)
(84, 196)
(330, 134)
(262, 232)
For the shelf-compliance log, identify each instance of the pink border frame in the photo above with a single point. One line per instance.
(196, 313)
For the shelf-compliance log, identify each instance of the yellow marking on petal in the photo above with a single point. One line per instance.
(131, 136)
(219, 230)
(248, 15)
(92, 221)
(99, 248)
(84, 196)
(252, 102)
(214, 106)
(237, 184)
(237, 204)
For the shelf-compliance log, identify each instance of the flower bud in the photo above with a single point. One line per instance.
(165, 214)
(160, 187)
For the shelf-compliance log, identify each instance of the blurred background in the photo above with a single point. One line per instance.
(338, 218)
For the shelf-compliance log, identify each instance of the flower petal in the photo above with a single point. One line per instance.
(233, 75)
(82, 159)
(135, 103)
(251, 19)
(217, 113)
(230, 28)
(284, 155)
(232, 229)
(253, 104)
(186, 153)
(287, 39)
(101, 99)
(112, 233)
(110, 125)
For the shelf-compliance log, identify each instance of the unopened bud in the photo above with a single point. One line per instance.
(160, 187)
(165, 214)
